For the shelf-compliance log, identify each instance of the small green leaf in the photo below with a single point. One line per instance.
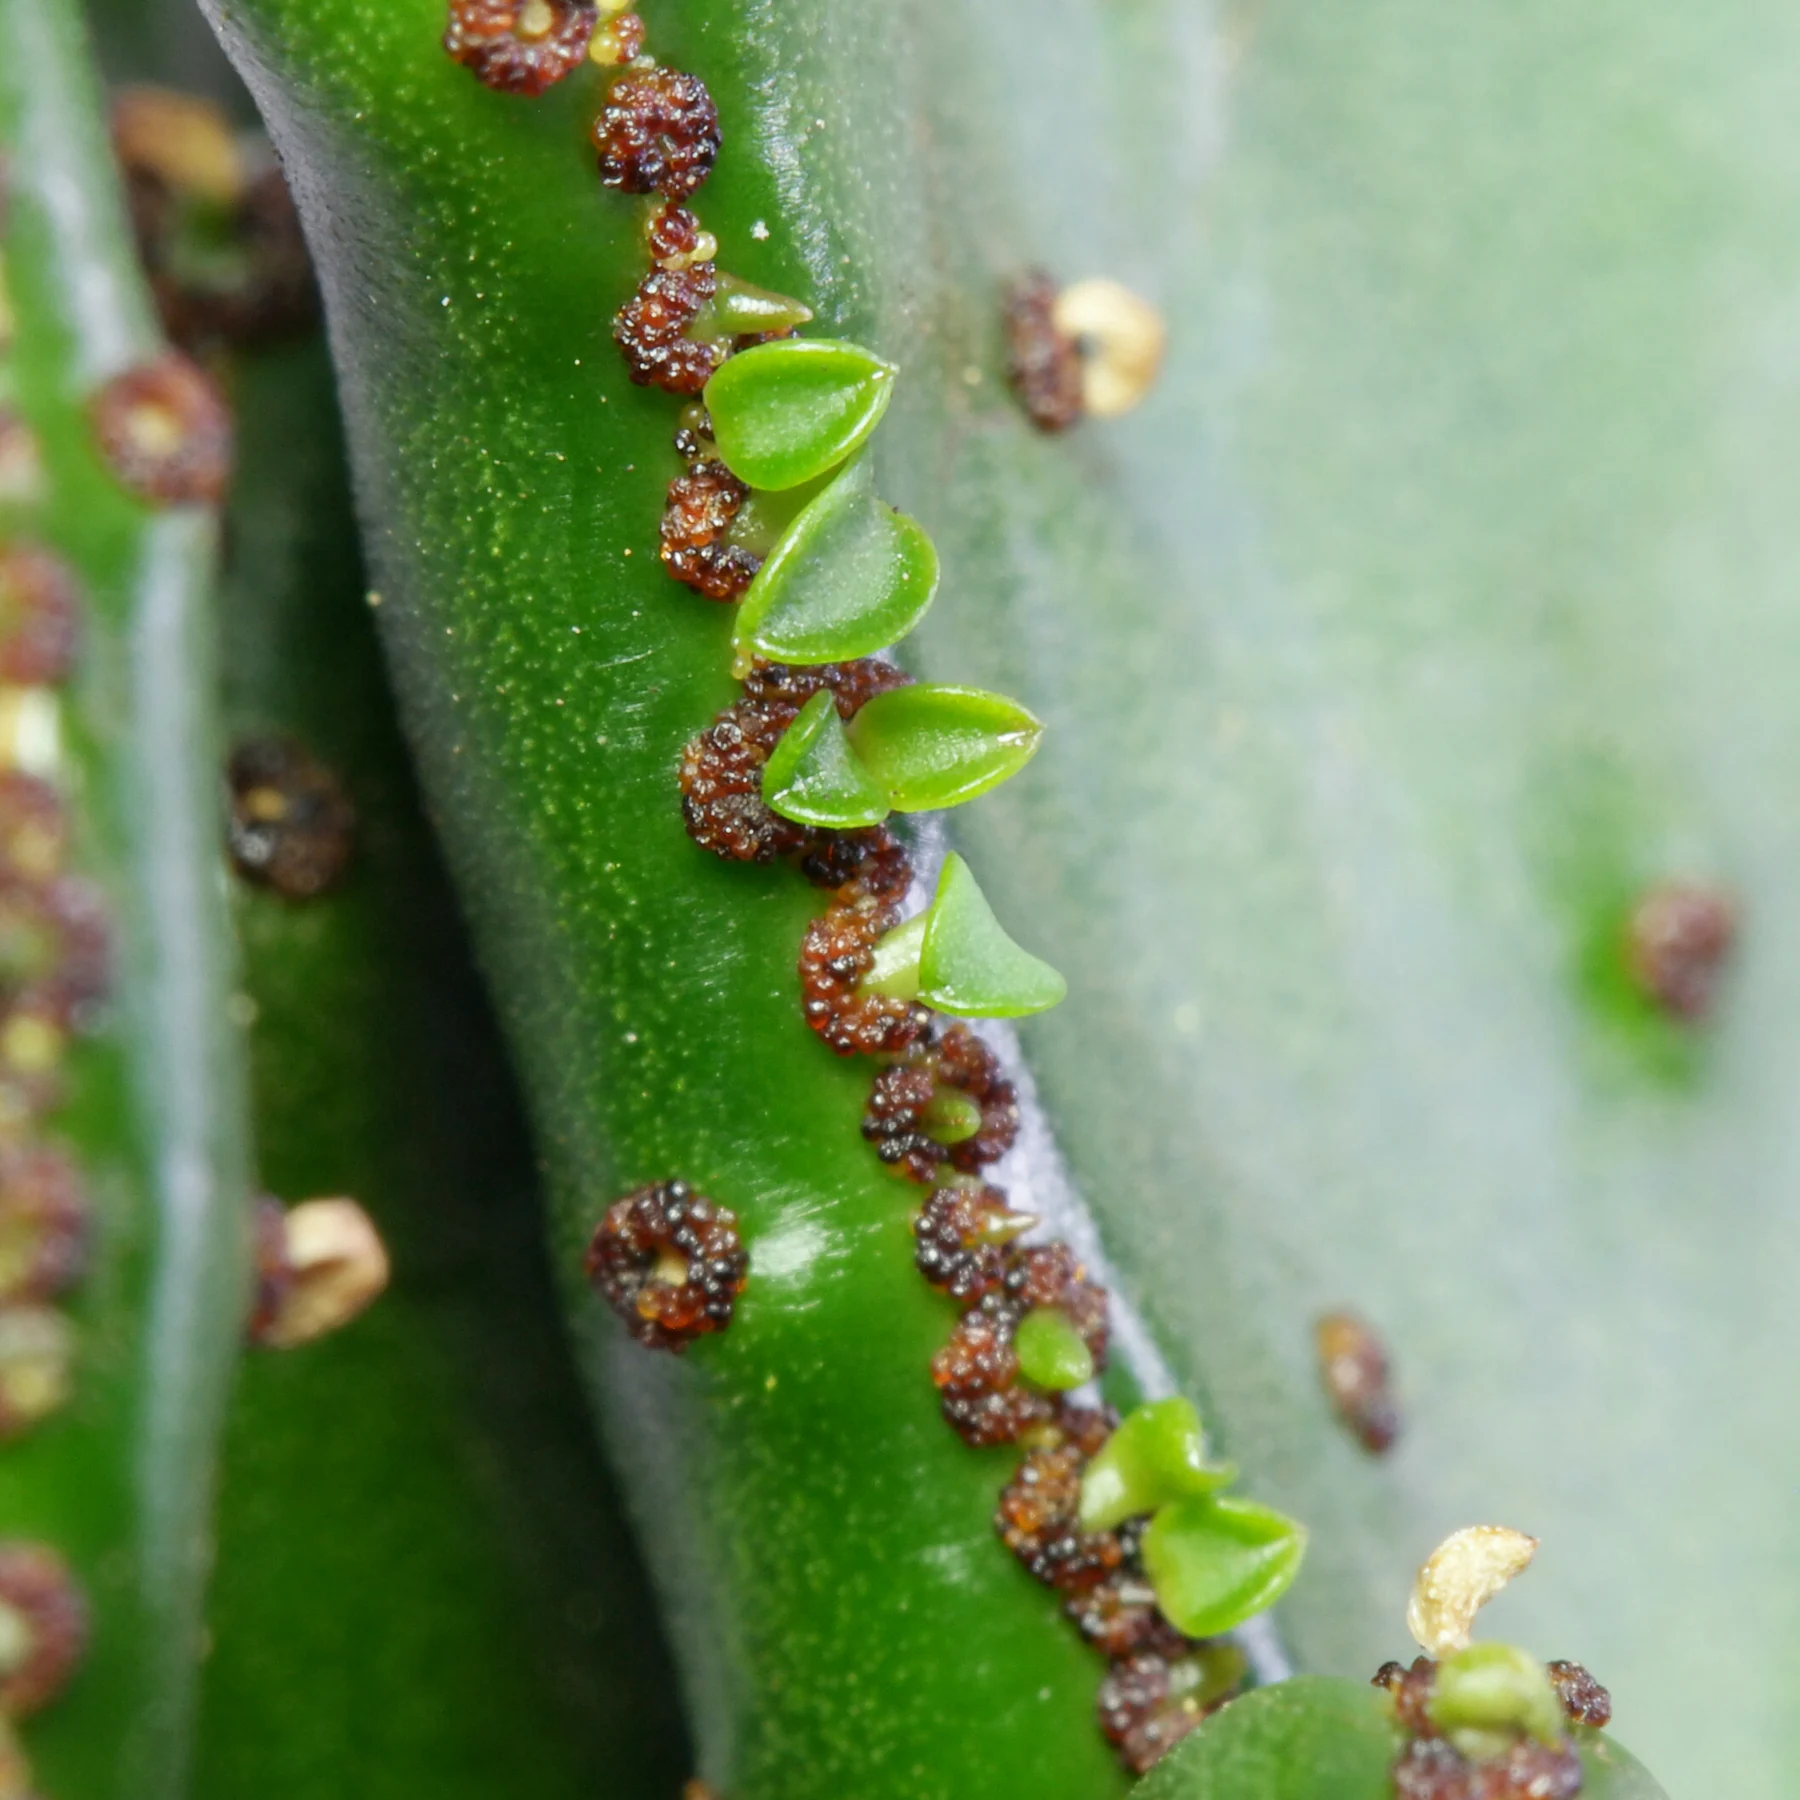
(848, 578)
(950, 1116)
(1158, 1454)
(814, 777)
(1052, 1353)
(741, 309)
(895, 969)
(1217, 1561)
(785, 412)
(933, 745)
(1494, 1688)
(969, 966)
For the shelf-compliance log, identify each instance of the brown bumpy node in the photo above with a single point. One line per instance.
(21, 457)
(1050, 1275)
(45, 1223)
(1149, 1702)
(40, 616)
(55, 951)
(1410, 1686)
(952, 1057)
(658, 134)
(977, 1376)
(869, 867)
(43, 1627)
(651, 328)
(696, 525)
(670, 1263)
(616, 41)
(1353, 1365)
(1583, 1698)
(520, 46)
(1037, 1521)
(1678, 941)
(1119, 1616)
(34, 830)
(1433, 1769)
(676, 240)
(837, 952)
(961, 1234)
(291, 827)
(216, 229)
(164, 432)
(1043, 363)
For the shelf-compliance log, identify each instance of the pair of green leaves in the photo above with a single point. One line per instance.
(849, 575)
(915, 749)
(956, 958)
(1213, 1558)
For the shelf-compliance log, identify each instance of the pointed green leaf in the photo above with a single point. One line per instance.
(933, 745)
(1218, 1561)
(1158, 1454)
(785, 412)
(814, 777)
(740, 308)
(967, 963)
(895, 970)
(1051, 1352)
(848, 578)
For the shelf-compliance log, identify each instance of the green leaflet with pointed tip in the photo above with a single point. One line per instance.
(1158, 1454)
(969, 966)
(849, 577)
(933, 745)
(785, 412)
(739, 308)
(1219, 1560)
(814, 777)
(1052, 1353)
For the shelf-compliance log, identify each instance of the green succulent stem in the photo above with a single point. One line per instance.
(119, 1480)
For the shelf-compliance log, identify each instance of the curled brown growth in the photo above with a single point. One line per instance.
(319, 1265)
(1353, 1364)
(520, 46)
(164, 432)
(898, 1121)
(291, 827)
(45, 1223)
(1583, 1698)
(1043, 362)
(1432, 1768)
(1678, 942)
(670, 1263)
(34, 829)
(40, 616)
(961, 1234)
(43, 1627)
(1037, 1521)
(696, 524)
(651, 329)
(658, 134)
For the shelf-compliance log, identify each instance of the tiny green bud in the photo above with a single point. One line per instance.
(1218, 1561)
(849, 577)
(950, 1116)
(814, 777)
(932, 745)
(1052, 1353)
(1157, 1454)
(968, 966)
(740, 308)
(1493, 1690)
(785, 412)
(895, 970)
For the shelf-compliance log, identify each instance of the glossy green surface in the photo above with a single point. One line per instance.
(784, 413)
(969, 965)
(120, 1481)
(1218, 1560)
(1052, 1353)
(849, 577)
(934, 745)
(1157, 1454)
(845, 1618)
(814, 778)
(423, 1585)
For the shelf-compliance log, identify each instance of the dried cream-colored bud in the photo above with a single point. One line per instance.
(334, 1265)
(1460, 1577)
(182, 141)
(1121, 338)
